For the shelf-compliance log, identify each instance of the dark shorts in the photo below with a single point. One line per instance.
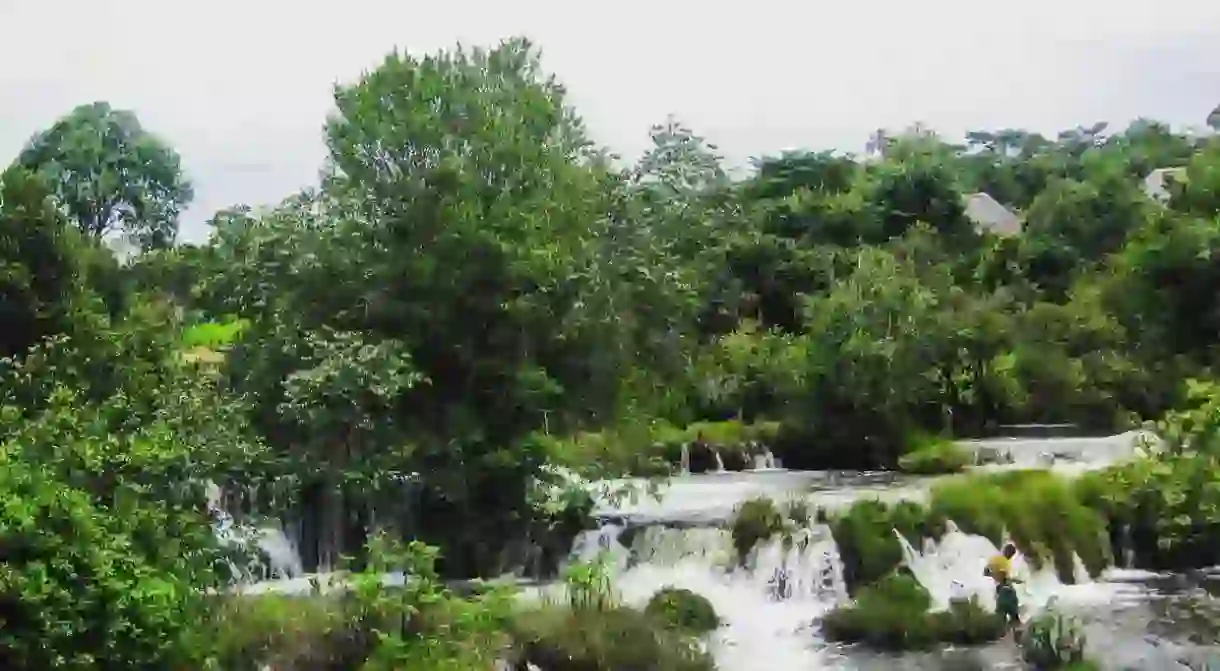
(1006, 602)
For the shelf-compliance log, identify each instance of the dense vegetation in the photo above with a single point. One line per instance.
(475, 291)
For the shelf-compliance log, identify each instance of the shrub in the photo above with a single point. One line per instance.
(1039, 510)
(75, 591)
(756, 521)
(867, 544)
(967, 623)
(892, 614)
(1168, 503)
(370, 625)
(683, 609)
(293, 632)
(930, 455)
(589, 587)
(616, 639)
(1052, 642)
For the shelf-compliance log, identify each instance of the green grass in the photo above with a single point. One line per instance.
(932, 455)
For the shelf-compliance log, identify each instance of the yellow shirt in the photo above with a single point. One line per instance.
(1000, 568)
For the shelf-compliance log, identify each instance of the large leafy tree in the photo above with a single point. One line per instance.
(453, 281)
(40, 266)
(111, 175)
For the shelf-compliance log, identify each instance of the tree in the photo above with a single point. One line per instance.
(111, 175)
(464, 239)
(40, 270)
(1213, 119)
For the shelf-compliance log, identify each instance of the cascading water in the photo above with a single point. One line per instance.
(764, 460)
(282, 559)
(769, 606)
(1059, 454)
(952, 568)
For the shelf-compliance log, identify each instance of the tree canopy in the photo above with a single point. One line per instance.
(110, 175)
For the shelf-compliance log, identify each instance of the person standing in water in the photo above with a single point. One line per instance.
(999, 569)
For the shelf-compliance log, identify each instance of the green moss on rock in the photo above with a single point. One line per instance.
(683, 609)
(756, 521)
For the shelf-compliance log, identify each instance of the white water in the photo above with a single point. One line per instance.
(771, 606)
(283, 559)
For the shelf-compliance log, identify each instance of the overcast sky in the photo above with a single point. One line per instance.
(242, 88)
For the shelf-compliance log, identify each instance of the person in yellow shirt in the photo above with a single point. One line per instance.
(999, 569)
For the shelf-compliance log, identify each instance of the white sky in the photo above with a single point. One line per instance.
(242, 88)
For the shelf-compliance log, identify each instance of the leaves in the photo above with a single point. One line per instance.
(110, 175)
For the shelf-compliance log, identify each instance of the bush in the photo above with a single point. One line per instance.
(892, 614)
(1052, 642)
(1167, 503)
(967, 623)
(934, 456)
(292, 632)
(370, 625)
(867, 544)
(75, 591)
(615, 639)
(756, 521)
(1039, 510)
(653, 449)
(683, 609)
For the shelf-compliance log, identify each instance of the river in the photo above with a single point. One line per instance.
(1133, 619)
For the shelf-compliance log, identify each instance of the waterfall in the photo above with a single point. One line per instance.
(768, 606)
(719, 461)
(771, 605)
(952, 568)
(684, 465)
(282, 558)
(764, 460)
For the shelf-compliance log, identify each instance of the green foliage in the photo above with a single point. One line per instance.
(867, 544)
(370, 625)
(41, 274)
(108, 550)
(213, 335)
(589, 587)
(111, 175)
(1038, 510)
(1052, 642)
(655, 449)
(683, 609)
(755, 521)
(934, 456)
(619, 639)
(474, 293)
(593, 631)
(112, 606)
(892, 614)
